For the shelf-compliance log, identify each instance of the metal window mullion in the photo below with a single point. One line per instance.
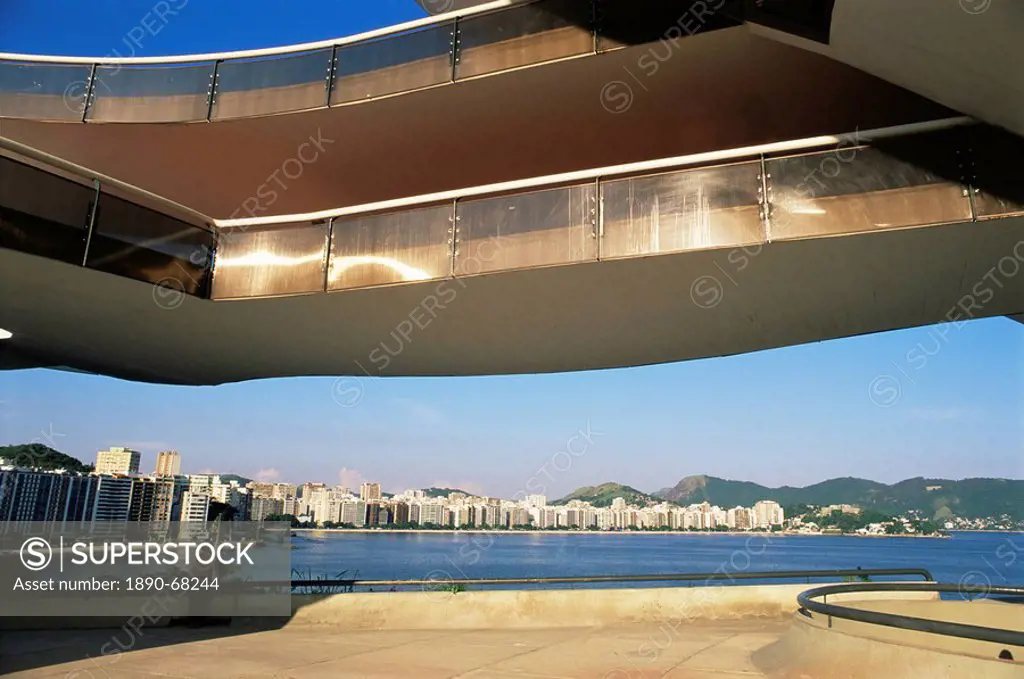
(598, 215)
(968, 174)
(327, 253)
(766, 198)
(211, 92)
(91, 224)
(211, 262)
(454, 240)
(453, 55)
(332, 74)
(90, 90)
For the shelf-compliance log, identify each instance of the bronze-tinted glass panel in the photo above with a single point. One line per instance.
(557, 226)
(689, 210)
(401, 63)
(43, 91)
(857, 189)
(391, 248)
(151, 94)
(253, 87)
(624, 23)
(530, 34)
(136, 242)
(998, 159)
(261, 262)
(43, 214)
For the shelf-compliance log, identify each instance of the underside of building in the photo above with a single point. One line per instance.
(515, 187)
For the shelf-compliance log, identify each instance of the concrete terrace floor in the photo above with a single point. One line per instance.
(700, 650)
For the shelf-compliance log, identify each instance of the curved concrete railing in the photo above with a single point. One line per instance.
(894, 630)
(808, 600)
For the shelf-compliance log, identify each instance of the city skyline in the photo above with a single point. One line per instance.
(122, 461)
(790, 416)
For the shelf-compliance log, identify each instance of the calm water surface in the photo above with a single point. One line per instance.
(974, 558)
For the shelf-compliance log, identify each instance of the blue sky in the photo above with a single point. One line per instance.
(796, 415)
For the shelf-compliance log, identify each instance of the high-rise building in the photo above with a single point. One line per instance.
(372, 513)
(369, 491)
(352, 512)
(263, 506)
(142, 506)
(168, 463)
(768, 513)
(194, 507)
(401, 513)
(43, 496)
(118, 461)
(113, 499)
(167, 503)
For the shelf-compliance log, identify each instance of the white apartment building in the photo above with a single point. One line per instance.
(768, 513)
(118, 461)
(195, 506)
(168, 463)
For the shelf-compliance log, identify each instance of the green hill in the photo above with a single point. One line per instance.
(602, 495)
(38, 456)
(936, 498)
(443, 492)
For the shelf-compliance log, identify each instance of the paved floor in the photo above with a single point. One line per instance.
(693, 651)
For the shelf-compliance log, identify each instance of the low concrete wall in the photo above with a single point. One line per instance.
(984, 613)
(812, 649)
(547, 608)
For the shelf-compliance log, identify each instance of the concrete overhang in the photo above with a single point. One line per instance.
(578, 317)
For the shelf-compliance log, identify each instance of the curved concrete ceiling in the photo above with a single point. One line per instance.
(964, 54)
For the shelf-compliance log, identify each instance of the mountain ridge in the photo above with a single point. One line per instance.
(602, 495)
(936, 498)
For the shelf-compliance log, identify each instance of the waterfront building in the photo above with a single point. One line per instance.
(369, 491)
(263, 506)
(113, 499)
(195, 507)
(45, 496)
(433, 513)
(768, 513)
(352, 511)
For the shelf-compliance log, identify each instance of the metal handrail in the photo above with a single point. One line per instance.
(664, 577)
(9, 148)
(857, 138)
(953, 629)
(267, 51)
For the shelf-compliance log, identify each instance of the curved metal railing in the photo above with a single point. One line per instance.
(387, 31)
(589, 579)
(490, 38)
(807, 601)
(892, 178)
